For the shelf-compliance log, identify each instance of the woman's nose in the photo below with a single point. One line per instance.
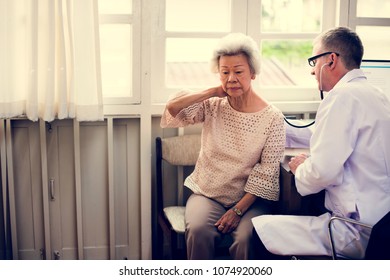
(232, 77)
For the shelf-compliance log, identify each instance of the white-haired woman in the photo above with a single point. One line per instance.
(243, 139)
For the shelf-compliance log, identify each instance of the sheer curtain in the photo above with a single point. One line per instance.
(50, 60)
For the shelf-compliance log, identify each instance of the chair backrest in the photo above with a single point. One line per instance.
(179, 151)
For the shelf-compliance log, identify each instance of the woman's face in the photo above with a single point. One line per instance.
(235, 74)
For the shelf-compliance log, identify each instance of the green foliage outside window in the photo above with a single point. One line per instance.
(292, 52)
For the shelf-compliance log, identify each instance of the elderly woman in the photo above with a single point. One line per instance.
(236, 176)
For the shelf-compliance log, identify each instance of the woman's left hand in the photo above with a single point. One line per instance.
(228, 222)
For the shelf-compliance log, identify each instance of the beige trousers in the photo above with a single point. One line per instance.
(202, 237)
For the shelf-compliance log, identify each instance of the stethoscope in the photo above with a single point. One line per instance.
(322, 98)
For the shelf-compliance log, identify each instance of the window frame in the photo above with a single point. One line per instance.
(354, 21)
(160, 35)
(133, 20)
(249, 25)
(277, 94)
(149, 54)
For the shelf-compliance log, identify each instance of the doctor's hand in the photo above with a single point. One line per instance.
(296, 161)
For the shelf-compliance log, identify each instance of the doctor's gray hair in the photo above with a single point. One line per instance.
(236, 44)
(346, 43)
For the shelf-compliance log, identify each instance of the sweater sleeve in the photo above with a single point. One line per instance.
(190, 115)
(263, 180)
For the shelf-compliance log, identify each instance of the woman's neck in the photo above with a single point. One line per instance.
(248, 103)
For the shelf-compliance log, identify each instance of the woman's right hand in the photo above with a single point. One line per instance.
(186, 99)
(220, 92)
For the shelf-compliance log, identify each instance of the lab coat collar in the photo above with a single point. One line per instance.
(351, 75)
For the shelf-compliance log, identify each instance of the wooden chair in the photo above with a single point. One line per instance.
(175, 151)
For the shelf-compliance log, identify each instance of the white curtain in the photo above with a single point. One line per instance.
(50, 60)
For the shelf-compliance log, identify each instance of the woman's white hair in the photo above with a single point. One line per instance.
(235, 44)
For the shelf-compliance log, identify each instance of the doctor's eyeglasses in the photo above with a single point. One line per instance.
(312, 60)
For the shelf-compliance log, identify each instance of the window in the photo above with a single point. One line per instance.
(373, 26)
(284, 30)
(372, 8)
(179, 36)
(185, 41)
(120, 50)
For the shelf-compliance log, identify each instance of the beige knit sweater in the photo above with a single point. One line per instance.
(240, 152)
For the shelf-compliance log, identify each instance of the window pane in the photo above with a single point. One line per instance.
(284, 63)
(374, 39)
(116, 59)
(373, 8)
(115, 7)
(199, 15)
(188, 62)
(291, 16)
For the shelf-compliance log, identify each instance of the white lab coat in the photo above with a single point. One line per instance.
(350, 159)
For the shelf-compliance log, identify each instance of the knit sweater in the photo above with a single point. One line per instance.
(240, 152)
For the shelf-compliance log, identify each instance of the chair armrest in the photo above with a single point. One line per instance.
(346, 220)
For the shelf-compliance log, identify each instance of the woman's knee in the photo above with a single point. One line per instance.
(243, 237)
(200, 230)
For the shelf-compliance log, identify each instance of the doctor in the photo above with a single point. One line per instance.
(350, 158)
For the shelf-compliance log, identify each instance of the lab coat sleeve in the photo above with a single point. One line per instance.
(331, 144)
